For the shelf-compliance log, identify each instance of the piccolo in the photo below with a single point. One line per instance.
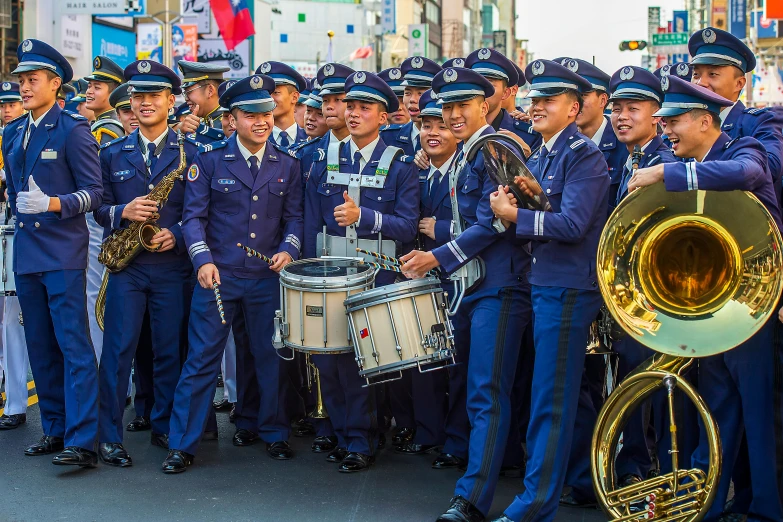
(254, 253)
(219, 301)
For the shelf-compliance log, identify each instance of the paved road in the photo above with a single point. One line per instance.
(228, 484)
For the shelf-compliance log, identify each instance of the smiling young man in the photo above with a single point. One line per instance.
(51, 151)
(353, 214)
(200, 85)
(157, 281)
(492, 317)
(720, 63)
(573, 174)
(288, 85)
(393, 78)
(120, 101)
(737, 385)
(105, 77)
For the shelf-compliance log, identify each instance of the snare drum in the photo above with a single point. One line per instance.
(400, 326)
(312, 316)
(7, 250)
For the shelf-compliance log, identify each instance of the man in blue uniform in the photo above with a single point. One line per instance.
(635, 95)
(120, 101)
(52, 152)
(304, 95)
(572, 172)
(737, 385)
(492, 317)
(393, 78)
(159, 280)
(428, 390)
(200, 85)
(247, 191)
(354, 215)
(105, 78)
(288, 85)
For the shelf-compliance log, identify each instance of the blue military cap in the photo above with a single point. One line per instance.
(34, 55)
(454, 62)
(635, 83)
(331, 77)
(681, 96)
(522, 81)
(366, 86)
(221, 89)
(597, 78)
(194, 72)
(251, 94)
(81, 88)
(548, 78)
(459, 84)
(66, 93)
(105, 70)
(120, 97)
(418, 71)
(314, 99)
(712, 46)
(393, 77)
(283, 74)
(149, 76)
(305, 93)
(179, 112)
(9, 92)
(681, 69)
(491, 64)
(428, 105)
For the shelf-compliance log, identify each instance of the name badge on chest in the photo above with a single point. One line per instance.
(49, 154)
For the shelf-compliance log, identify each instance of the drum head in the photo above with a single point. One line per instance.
(327, 272)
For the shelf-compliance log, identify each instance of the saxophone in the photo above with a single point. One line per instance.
(120, 248)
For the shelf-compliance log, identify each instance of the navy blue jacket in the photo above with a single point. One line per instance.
(656, 152)
(62, 156)
(574, 177)
(225, 206)
(125, 177)
(523, 129)
(615, 154)
(400, 136)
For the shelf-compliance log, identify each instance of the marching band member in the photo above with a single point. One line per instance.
(737, 385)
(393, 78)
(572, 172)
(429, 389)
(391, 211)
(120, 101)
(492, 317)
(288, 85)
(56, 147)
(243, 190)
(105, 77)
(156, 282)
(200, 84)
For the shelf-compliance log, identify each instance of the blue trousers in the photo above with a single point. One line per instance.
(164, 290)
(56, 328)
(738, 387)
(351, 407)
(563, 318)
(257, 299)
(496, 320)
(144, 397)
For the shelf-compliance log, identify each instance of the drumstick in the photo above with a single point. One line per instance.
(251, 253)
(382, 266)
(219, 301)
(392, 260)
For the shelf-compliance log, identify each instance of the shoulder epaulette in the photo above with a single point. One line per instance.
(577, 144)
(730, 143)
(74, 115)
(392, 126)
(755, 110)
(523, 125)
(405, 158)
(192, 141)
(112, 142)
(319, 154)
(207, 147)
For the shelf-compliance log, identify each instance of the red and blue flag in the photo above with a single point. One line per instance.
(234, 21)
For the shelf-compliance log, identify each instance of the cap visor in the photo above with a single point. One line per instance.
(96, 78)
(312, 103)
(445, 98)
(30, 67)
(711, 60)
(332, 90)
(631, 96)
(11, 98)
(435, 113)
(258, 108)
(671, 111)
(544, 93)
(416, 83)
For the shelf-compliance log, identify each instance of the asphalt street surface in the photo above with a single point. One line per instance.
(227, 483)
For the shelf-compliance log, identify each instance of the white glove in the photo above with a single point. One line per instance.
(34, 201)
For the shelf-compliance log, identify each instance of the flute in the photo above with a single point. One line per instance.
(254, 253)
(219, 301)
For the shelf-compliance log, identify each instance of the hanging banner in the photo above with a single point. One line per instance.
(417, 40)
(680, 19)
(214, 51)
(389, 17)
(184, 43)
(197, 12)
(72, 35)
(116, 44)
(719, 15)
(738, 19)
(149, 42)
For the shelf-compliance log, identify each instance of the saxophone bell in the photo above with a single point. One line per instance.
(146, 232)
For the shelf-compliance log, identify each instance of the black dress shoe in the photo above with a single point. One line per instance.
(160, 440)
(461, 511)
(139, 424)
(210, 435)
(45, 446)
(354, 462)
(336, 455)
(448, 461)
(114, 454)
(232, 415)
(221, 405)
(279, 450)
(11, 422)
(415, 449)
(75, 456)
(323, 444)
(177, 462)
(304, 428)
(245, 437)
(403, 436)
(574, 501)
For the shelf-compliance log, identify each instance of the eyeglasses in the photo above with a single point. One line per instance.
(197, 87)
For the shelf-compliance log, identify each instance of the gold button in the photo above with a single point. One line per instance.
(152, 186)
(226, 189)
(252, 235)
(21, 225)
(281, 193)
(253, 216)
(255, 198)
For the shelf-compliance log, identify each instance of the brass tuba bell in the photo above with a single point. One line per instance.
(687, 274)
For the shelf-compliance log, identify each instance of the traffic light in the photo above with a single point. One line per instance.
(633, 45)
